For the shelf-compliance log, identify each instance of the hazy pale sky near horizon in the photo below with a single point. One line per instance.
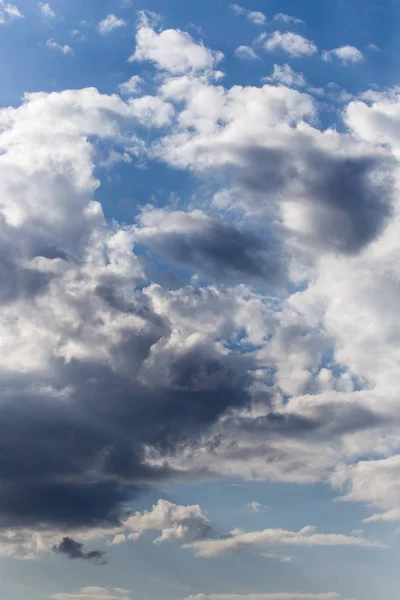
(199, 300)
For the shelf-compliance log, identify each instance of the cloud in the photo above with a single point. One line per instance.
(291, 43)
(376, 119)
(271, 596)
(46, 10)
(87, 332)
(132, 86)
(95, 593)
(53, 45)
(347, 200)
(256, 17)
(189, 526)
(117, 377)
(256, 506)
(238, 10)
(285, 75)
(346, 54)
(283, 558)
(74, 550)
(335, 195)
(110, 23)
(375, 483)
(173, 522)
(8, 12)
(246, 53)
(207, 244)
(239, 541)
(173, 51)
(288, 19)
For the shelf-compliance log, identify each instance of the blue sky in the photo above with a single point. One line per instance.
(199, 291)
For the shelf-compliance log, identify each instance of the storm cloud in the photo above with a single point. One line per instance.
(347, 200)
(74, 550)
(216, 249)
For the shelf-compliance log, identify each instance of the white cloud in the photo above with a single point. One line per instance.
(346, 54)
(239, 10)
(285, 75)
(173, 51)
(283, 558)
(271, 596)
(53, 45)
(246, 53)
(288, 19)
(95, 593)
(8, 12)
(223, 120)
(151, 111)
(46, 10)
(148, 18)
(291, 43)
(171, 521)
(377, 119)
(375, 483)
(76, 33)
(256, 506)
(110, 23)
(239, 541)
(255, 16)
(132, 86)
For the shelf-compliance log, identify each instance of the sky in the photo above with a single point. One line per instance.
(199, 291)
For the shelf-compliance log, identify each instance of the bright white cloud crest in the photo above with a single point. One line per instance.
(346, 54)
(291, 43)
(173, 51)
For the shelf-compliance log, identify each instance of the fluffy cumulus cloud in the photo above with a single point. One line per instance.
(173, 51)
(288, 19)
(8, 12)
(346, 54)
(95, 593)
(374, 482)
(273, 596)
(220, 338)
(77, 284)
(206, 244)
(255, 16)
(63, 48)
(46, 10)
(334, 192)
(246, 53)
(285, 75)
(110, 23)
(291, 43)
(131, 86)
(190, 527)
(171, 521)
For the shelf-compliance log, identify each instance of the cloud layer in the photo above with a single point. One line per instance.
(243, 333)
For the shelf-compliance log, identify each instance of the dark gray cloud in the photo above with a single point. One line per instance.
(328, 421)
(80, 462)
(217, 249)
(74, 550)
(348, 199)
